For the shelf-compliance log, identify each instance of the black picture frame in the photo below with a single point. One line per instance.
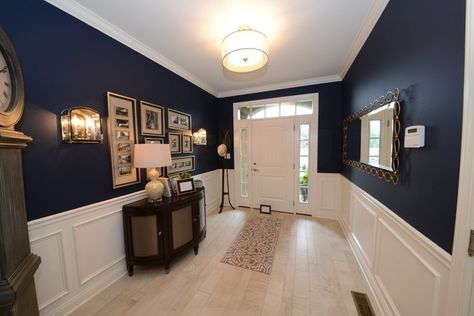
(179, 120)
(152, 119)
(186, 186)
(175, 141)
(187, 143)
(265, 209)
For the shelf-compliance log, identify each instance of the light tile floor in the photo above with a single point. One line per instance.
(313, 272)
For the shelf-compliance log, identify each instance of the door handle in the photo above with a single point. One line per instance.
(254, 169)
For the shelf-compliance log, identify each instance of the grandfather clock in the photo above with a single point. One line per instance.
(17, 263)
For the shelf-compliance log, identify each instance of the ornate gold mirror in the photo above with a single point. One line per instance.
(371, 138)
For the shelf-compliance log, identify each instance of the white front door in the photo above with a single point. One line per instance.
(275, 146)
(272, 163)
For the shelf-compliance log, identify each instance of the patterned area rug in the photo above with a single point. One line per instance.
(254, 246)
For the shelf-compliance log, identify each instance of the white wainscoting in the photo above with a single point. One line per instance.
(212, 182)
(328, 195)
(82, 250)
(408, 274)
(327, 192)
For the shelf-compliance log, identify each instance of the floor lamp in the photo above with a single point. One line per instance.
(222, 151)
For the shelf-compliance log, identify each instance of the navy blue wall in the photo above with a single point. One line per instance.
(417, 46)
(67, 63)
(329, 123)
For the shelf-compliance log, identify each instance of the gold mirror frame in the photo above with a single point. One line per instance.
(389, 176)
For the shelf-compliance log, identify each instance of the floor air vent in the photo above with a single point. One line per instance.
(362, 303)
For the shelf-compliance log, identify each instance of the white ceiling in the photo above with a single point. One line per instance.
(311, 41)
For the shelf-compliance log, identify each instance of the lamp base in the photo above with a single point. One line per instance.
(154, 191)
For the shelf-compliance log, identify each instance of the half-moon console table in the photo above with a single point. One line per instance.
(157, 233)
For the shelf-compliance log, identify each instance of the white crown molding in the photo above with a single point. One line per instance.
(85, 15)
(367, 26)
(280, 85)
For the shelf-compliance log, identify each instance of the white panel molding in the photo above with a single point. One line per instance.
(375, 292)
(85, 15)
(328, 195)
(77, 247)
(367, 26)
(61, 262)
(364, 228)
(86, 292)
(406, 245)
(281, 85)
(423, 263)
(212, 182)
(82, 283)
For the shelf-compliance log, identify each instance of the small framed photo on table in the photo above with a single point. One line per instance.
(265, 209)
(186, 186)
(174, 183)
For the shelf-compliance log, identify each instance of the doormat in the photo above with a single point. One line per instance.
(255, 244)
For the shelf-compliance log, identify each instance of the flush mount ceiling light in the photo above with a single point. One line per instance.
(244, 50)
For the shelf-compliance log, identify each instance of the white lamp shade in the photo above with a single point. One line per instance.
(244, 50)
(151, 155)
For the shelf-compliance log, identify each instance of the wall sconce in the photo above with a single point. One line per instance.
(81, 125)
(200, 137)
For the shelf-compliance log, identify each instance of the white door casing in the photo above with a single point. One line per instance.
(461, 291)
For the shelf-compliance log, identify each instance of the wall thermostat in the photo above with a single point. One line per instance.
(415, 136)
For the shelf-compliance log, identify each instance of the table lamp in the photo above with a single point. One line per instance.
(152, 156)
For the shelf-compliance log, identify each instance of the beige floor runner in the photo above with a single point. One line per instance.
(255, 245)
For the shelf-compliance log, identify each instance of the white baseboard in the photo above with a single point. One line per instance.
(407, 273)
(82, 250)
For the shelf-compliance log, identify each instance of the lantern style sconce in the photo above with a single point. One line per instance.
(81, 125)
(200, 137)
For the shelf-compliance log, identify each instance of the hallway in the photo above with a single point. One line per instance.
(313, 272)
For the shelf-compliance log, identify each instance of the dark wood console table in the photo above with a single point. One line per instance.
(157, 233)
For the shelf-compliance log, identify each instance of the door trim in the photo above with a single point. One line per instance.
(462, 267)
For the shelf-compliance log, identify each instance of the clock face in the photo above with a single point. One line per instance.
(6, 84)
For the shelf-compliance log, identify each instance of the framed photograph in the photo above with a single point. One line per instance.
(174, 139)
(152, 119)
(186, 186)
(166, 183)
(265, 209)
(122, 126)
(187, 141)
(179, 120)
(174, 183)
(181, 164)
(150, 140)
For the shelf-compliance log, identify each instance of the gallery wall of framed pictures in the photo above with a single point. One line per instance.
(123, 135)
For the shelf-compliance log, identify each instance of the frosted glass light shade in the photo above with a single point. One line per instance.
(200, 137)
(244, 50)
(151, 155)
